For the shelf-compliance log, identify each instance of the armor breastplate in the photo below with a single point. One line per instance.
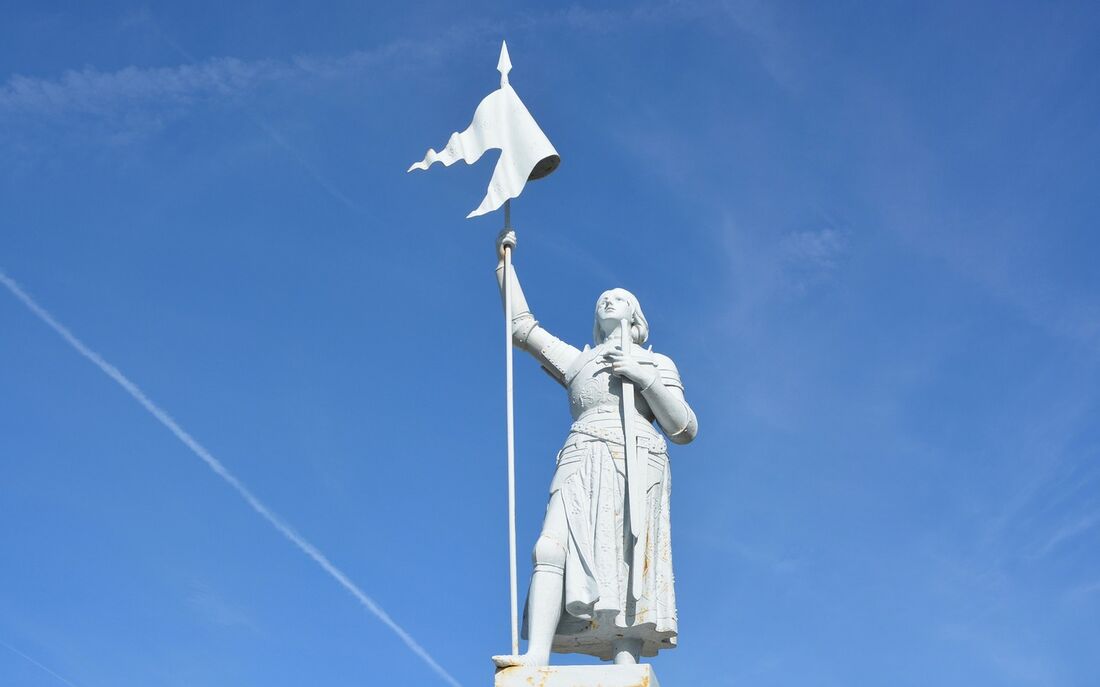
(595, 393)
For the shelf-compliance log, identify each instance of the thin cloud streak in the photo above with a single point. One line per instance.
(1076, 528)
(95, 92)
(274, 135)
(221, 471)
(22, 655)
(129, 90)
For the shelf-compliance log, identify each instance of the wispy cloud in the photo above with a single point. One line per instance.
(32, 661)
(1082, 591)
(106, 93)
(216, 610)
(757, 21)
(810, 257)
(774, 563)
(229, 478)
(132, 103)
(1016, 663)
(818, 248)
(1075, 528)
(767, 268)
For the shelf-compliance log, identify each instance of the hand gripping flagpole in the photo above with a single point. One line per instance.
(503, 121)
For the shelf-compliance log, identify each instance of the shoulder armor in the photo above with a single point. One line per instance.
(670, 376)
(579, 362)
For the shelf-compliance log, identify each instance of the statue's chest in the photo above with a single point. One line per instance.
(594, 387)
(591, 385)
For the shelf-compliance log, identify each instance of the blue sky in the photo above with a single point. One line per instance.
(866, 234)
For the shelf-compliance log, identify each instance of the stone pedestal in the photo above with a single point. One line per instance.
(578, 676)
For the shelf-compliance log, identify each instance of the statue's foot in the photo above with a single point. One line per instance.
(510, 660)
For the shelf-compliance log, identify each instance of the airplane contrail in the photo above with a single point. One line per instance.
(221, 471)
(19, 653)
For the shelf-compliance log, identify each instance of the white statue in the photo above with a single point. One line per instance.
(602, 581)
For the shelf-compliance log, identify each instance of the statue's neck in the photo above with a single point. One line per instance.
(613, 338)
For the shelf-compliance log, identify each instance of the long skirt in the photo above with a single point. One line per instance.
(598, 605)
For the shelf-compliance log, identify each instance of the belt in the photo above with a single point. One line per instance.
(653, 444)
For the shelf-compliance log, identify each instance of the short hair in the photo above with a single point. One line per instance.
(639, 327)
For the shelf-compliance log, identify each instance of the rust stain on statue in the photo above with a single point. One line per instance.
(545, 673)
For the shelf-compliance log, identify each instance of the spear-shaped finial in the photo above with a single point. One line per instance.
(505, 64)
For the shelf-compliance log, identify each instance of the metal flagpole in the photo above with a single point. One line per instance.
(502, 121)
(511, 431)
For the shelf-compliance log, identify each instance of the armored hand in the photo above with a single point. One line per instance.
(623, 365)
(507, 238)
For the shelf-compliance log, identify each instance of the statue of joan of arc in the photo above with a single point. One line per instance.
(597, 587)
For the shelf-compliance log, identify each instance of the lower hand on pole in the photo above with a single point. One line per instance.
(506, 240)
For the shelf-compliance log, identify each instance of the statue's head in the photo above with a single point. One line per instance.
(616, 305)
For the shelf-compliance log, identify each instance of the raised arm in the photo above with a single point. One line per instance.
(552, 353)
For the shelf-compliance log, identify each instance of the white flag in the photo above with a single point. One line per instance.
(500, 121)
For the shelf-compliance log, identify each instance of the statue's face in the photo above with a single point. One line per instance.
(613, 307)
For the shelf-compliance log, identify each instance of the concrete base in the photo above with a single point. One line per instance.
(578, 676)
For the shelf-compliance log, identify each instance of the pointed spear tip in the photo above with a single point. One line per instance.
(505, 64)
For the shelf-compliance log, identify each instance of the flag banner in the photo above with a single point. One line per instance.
(501, 121)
